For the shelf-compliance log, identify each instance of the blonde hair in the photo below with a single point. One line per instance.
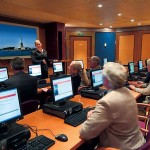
(76, 65)
(115, 73)
(37, 41)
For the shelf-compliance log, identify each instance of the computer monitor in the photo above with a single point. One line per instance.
(140, 65)
(96, 78)
(105, 61)
(57, 67)
(62, 89)
(3, 74)
(35, 70)
(80, 61)
(131, 68)
(10, 110)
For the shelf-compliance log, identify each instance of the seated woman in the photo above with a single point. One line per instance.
(143, 87)
(78, 74)
(114, 120)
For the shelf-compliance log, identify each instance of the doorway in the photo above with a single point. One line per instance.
(81, 49)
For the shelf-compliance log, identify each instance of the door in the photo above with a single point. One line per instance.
(81, 49)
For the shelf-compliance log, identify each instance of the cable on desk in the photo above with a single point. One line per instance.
(35, 130)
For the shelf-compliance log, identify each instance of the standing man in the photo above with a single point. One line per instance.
(39, 56)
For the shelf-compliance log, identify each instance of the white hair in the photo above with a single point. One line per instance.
(116, 74)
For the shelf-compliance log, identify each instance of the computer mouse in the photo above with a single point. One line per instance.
(61, 137)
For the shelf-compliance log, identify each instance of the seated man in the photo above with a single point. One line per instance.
(114, 119)
(143, 87)
(26, 84)
(94, 63)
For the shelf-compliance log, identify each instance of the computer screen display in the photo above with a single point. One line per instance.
(3, 74)
(9, 105)
(96, 78)
(62, 88)
(140, 65)
(104, 61)
(80, 61)
(131, 67)
(57, 67)
(35, 70)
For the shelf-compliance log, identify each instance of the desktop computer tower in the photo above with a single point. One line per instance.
(62, 111)
(15, 136)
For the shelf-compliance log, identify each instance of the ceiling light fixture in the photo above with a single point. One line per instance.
(132, 20)
(100, 5)
(119, 14)
(100, 24)
(110, 26)
(139, 24)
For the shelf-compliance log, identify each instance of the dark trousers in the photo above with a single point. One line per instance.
(44, 74)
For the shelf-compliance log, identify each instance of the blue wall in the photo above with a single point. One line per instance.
(108, 51)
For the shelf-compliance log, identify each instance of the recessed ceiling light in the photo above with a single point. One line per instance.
(100, 5)
(132, 20)
(119, 14)
(110, 26)
(100, 24)
(139, 24)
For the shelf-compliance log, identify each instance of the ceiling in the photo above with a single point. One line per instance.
(80, 13)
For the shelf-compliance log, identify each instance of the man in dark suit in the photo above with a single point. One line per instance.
(26, 84)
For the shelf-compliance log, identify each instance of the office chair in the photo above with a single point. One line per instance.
(144, 117)
(29, 106)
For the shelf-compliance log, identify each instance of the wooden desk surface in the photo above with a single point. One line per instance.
(45, 121)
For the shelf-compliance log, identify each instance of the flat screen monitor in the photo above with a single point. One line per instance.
(80, 61)
(35, 70)
(57, 67)
(62, 89)
(3, 74)
(131, 68)
(96, 78)
(104, 61)
(10, 110)
(140, 65)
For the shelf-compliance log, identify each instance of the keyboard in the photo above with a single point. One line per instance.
(78, 118)
(40, 142)
(43, 85)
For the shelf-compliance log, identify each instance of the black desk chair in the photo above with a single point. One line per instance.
(29, 106)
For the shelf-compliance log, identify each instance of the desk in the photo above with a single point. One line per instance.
(136, 95)
(45, 121)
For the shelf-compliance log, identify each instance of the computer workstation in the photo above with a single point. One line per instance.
(72, 112)
(94, 91)
(141, 70)
(35, 70)
(16, 136)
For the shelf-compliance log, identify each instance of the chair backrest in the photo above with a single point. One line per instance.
(29, 106)
(146, 146)
(145, 117)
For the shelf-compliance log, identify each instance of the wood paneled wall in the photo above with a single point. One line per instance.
(141, 48)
